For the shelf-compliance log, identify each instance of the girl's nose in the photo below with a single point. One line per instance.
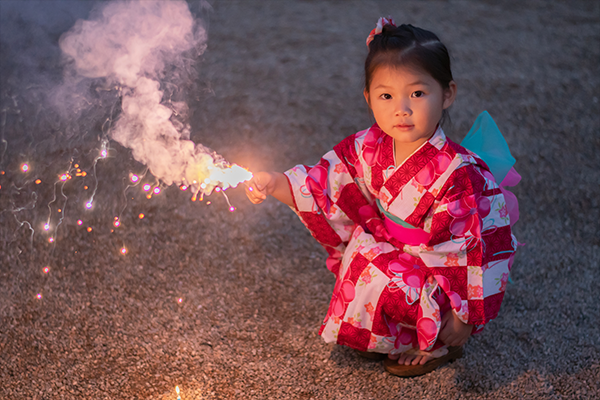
(403, 109)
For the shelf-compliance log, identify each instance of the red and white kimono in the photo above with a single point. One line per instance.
(406, 243)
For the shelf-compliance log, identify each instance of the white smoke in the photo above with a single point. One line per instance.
(134, 44)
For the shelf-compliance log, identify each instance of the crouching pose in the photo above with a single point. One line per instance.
(417, 227)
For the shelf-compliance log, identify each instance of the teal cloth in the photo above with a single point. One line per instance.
(485, 140)
(394, 218)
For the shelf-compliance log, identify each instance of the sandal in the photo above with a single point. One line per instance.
(370, 355)
(450, 354)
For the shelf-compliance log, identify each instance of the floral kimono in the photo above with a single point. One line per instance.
(406, 243)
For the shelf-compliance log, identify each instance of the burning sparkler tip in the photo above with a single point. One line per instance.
(39, 296)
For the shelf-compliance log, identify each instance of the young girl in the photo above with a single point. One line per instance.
(417, 228)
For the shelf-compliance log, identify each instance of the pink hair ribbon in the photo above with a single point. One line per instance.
(381, 22)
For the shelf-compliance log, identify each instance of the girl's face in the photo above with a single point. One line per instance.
(407, 104)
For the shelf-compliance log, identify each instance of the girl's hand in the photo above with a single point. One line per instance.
(453, 331)
(265, 184)
(260, 186)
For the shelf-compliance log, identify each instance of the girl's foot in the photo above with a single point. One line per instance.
(410, 359)
(435, 359)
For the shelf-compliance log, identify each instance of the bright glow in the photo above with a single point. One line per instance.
(24, 167)
(117, 223)
(123, 250)
(183, 187)
(88, 205)
(79, 222)
(46, 270)
(232, 208)
(177, 390)
(50, 240)
(134, 178)
(156, 190)
(180, 300)
(64, 177)
(39, 296)
(89, 228)
(38, 181)
(147, 187)
(141, 216)
(103, 153)
(46, 227)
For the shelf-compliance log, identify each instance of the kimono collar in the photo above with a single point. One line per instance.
(378, 146)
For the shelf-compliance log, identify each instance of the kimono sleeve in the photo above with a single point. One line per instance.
(471, 245)
(326, 198)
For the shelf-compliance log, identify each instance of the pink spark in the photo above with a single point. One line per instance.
(134, 178)
(156, 190)
(39, 296)
(24, 167)
(147, 187)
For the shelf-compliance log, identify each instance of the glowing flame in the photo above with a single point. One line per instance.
(147, 187)
(134, 178)
(79, 222)
(46, 227)
(123, 250)
(46, 270)
(156, 190)
(39, 296)
(24, 167)
(177, 390)
(88, 205)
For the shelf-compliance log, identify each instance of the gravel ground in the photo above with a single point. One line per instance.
(228, 305)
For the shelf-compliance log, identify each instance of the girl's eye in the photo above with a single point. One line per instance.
(418, 93)
(386, 96)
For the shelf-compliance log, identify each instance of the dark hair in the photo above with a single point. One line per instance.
(409, 46)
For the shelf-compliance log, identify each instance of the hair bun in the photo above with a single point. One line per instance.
(381, 22)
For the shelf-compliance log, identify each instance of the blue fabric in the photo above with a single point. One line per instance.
(485, 140)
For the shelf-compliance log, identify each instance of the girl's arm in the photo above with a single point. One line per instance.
(264, 184)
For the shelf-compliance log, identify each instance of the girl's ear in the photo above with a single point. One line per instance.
(366, 94)
(449, 95)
